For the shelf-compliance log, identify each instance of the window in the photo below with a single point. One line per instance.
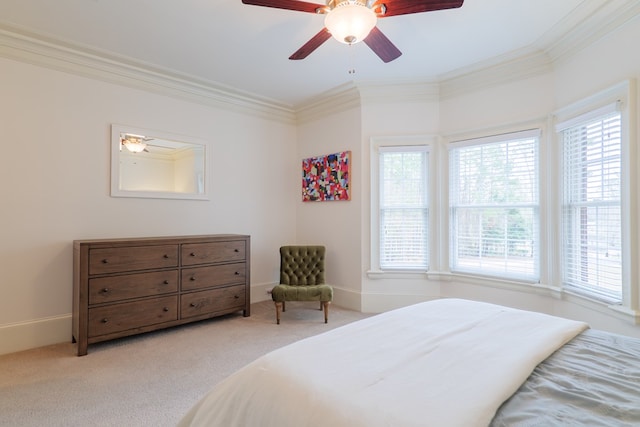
(403, 207)
(591, 208)
(494, 207)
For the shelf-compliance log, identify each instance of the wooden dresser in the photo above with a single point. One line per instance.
(124, 287)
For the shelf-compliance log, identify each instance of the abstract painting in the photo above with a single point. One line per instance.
(327, 177)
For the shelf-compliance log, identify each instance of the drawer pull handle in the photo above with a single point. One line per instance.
(105, 261)
(192, 278)
(193, 304)
(165, 309)
(166, 282)
(236, 250)
(236, 273)
(105, 320)
(166, 256)
(105, 290)
(192, 254)
(236, 296)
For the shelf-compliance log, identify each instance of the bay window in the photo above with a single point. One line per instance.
(493, 206)
(403, 208)
(591, 208)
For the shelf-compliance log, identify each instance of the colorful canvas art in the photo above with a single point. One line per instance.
(326, 177)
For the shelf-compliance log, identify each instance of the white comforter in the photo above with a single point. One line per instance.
(440, 363)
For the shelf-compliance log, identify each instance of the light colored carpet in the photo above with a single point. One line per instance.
(151, 379)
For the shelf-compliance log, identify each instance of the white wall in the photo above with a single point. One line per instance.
(390, 119)
(603, 64)
(334, 224)
(55, 185)
(497, 106)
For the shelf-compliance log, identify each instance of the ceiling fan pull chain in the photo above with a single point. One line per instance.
(352, 66)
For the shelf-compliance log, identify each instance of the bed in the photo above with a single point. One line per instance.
(448, 362)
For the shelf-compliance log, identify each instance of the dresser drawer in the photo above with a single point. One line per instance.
(215, 275)
(211, 301)
(118, 288)
(131, 315)
(206, 253)
(113, 260)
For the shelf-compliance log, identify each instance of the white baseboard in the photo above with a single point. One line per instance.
(345, 298)
(261, 292)
(35, 333)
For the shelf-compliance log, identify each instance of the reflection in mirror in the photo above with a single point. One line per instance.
(146, 163)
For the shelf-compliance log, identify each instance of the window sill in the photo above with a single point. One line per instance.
(397, 274)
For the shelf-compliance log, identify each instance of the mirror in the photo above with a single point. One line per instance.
(152, 164)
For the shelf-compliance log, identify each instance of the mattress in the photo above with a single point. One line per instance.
(444, 363)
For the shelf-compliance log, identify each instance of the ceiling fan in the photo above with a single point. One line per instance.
(352, 21)
(134, 143)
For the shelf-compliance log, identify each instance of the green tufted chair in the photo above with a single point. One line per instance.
(302, 278)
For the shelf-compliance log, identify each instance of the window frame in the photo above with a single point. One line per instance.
(622, 96)
(487, 140)
(574, 206)
(376, 143)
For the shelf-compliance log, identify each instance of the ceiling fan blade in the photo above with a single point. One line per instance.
(405, 7)
(312, 44)
(299, 6)
(382, 46)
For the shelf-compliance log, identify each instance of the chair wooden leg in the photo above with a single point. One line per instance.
(325, 306)
(279, 306)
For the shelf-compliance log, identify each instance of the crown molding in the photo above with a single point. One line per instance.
(355, 94)
(586, 25)
(41, 51)
(514, 66)
(399, 91)
(339, 99)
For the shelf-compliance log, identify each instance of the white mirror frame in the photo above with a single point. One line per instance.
(116, 172)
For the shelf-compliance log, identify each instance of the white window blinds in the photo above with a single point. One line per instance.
(404, 213)
(592, 224)
(494, 206)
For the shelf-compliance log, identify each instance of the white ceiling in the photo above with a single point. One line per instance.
(247, 47)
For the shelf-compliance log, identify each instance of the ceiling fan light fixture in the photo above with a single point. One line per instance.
(350, 21)
(134, 143)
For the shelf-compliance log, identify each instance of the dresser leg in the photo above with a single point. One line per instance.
(82, 349)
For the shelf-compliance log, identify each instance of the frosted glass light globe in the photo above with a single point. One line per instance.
(350, 22)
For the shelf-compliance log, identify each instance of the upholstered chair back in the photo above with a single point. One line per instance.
(302, 265)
